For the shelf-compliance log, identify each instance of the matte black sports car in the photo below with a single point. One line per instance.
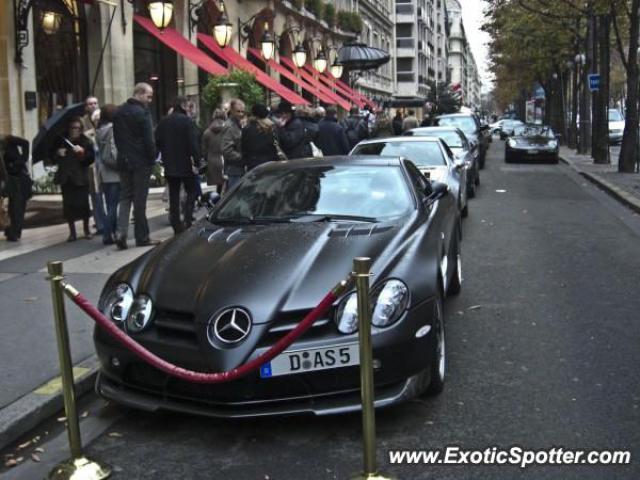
(268, 252)
(531, 142)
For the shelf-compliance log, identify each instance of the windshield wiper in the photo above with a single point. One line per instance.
(330, 217)
(232, 220)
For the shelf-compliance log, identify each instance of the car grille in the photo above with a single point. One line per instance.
(287, 321)
(171, 324)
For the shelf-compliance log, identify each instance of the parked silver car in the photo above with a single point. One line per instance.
(457, 141)
(431, 155)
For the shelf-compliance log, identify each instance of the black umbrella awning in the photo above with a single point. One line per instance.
(358, 56)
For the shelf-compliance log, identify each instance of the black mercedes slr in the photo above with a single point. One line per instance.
(224, 291)
(532, 142)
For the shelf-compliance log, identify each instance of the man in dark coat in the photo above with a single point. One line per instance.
(396, 124)
(18, 183)
(178, 143)
(133, 134)
(355, 127)
(291, 134)
(332, 139)
(234, 164)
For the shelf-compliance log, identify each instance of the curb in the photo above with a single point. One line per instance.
(28, 411)
(616, 192)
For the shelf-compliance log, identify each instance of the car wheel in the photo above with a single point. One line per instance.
(471, 190)
(438, 353)
(456, 280)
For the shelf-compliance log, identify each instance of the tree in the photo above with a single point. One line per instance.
(242, 84)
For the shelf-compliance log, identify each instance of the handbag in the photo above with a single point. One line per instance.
(281, 155)
(5, 221)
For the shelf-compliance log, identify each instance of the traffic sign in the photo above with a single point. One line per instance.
(594, 82)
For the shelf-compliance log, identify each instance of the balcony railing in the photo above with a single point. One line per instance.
(406, 76)
(405, 43)
(404, 9)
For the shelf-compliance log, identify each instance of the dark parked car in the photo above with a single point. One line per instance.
(531, 142)
(431, 155)
(457, 141)
(506, 130)
(266, 255)
(470, 125)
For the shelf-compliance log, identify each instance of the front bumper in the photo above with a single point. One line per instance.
(403, 361)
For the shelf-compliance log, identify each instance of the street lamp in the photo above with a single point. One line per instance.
(299, 56)
(320, 62)
(223, 29)
(51, 22)
(267, 44)
(336, 69)
(161, 12)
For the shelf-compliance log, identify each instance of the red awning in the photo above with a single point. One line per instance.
(288, 74)
(310, 79)
(352, 95)
(175, 41)
(234, 58)
(347, 88)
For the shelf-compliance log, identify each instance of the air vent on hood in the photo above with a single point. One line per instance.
(353, 230)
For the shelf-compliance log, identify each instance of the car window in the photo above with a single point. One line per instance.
(466, 124)
(426, 153)
(615, 116)
(353, 190)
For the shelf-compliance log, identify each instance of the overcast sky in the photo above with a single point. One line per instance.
(473, 19)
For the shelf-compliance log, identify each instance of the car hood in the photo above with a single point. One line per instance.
(263, 268)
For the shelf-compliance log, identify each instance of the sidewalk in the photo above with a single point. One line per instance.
(625, 187)
(29, 383)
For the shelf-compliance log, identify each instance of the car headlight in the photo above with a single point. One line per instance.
(118, 303)
(553, 144)
(512, 142)
(140, 313)
(391, 303)
(347, 314)
(390, 300)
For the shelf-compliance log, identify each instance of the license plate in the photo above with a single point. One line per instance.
(302, 361)
(533, 152)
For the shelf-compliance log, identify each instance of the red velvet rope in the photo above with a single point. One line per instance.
(200, 377)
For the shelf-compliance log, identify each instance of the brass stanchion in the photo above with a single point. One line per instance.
(361, 267)
(79, 466)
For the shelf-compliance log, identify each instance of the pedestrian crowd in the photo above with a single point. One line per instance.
(105, 158)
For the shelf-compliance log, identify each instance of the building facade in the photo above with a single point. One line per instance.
(462, 64)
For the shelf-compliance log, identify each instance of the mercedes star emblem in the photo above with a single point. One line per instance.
(230, 326)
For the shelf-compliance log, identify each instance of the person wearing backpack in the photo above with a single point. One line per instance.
(355, 127)
(108, 176)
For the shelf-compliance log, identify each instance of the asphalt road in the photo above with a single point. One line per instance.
(543, 351)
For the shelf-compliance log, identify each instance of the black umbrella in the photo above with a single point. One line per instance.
(358, 56)
(53, 130)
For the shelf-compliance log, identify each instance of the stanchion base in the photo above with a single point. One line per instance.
(372, 476)
(79, 469)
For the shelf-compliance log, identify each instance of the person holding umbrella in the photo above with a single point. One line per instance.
(73, 155)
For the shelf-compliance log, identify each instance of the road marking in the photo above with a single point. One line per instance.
(53, 387)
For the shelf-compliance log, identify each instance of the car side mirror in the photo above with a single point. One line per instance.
(459, 164)
(438, 190)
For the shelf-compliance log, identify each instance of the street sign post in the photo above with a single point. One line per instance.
(594, 82)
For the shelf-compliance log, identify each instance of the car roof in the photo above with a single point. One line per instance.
(400, 139)
(361, 160)
(447, 128)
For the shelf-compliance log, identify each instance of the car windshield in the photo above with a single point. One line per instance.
(615, 116)
(313, 193)
(450, 137)
(423, 154)
(533, 131)
(466, 124)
